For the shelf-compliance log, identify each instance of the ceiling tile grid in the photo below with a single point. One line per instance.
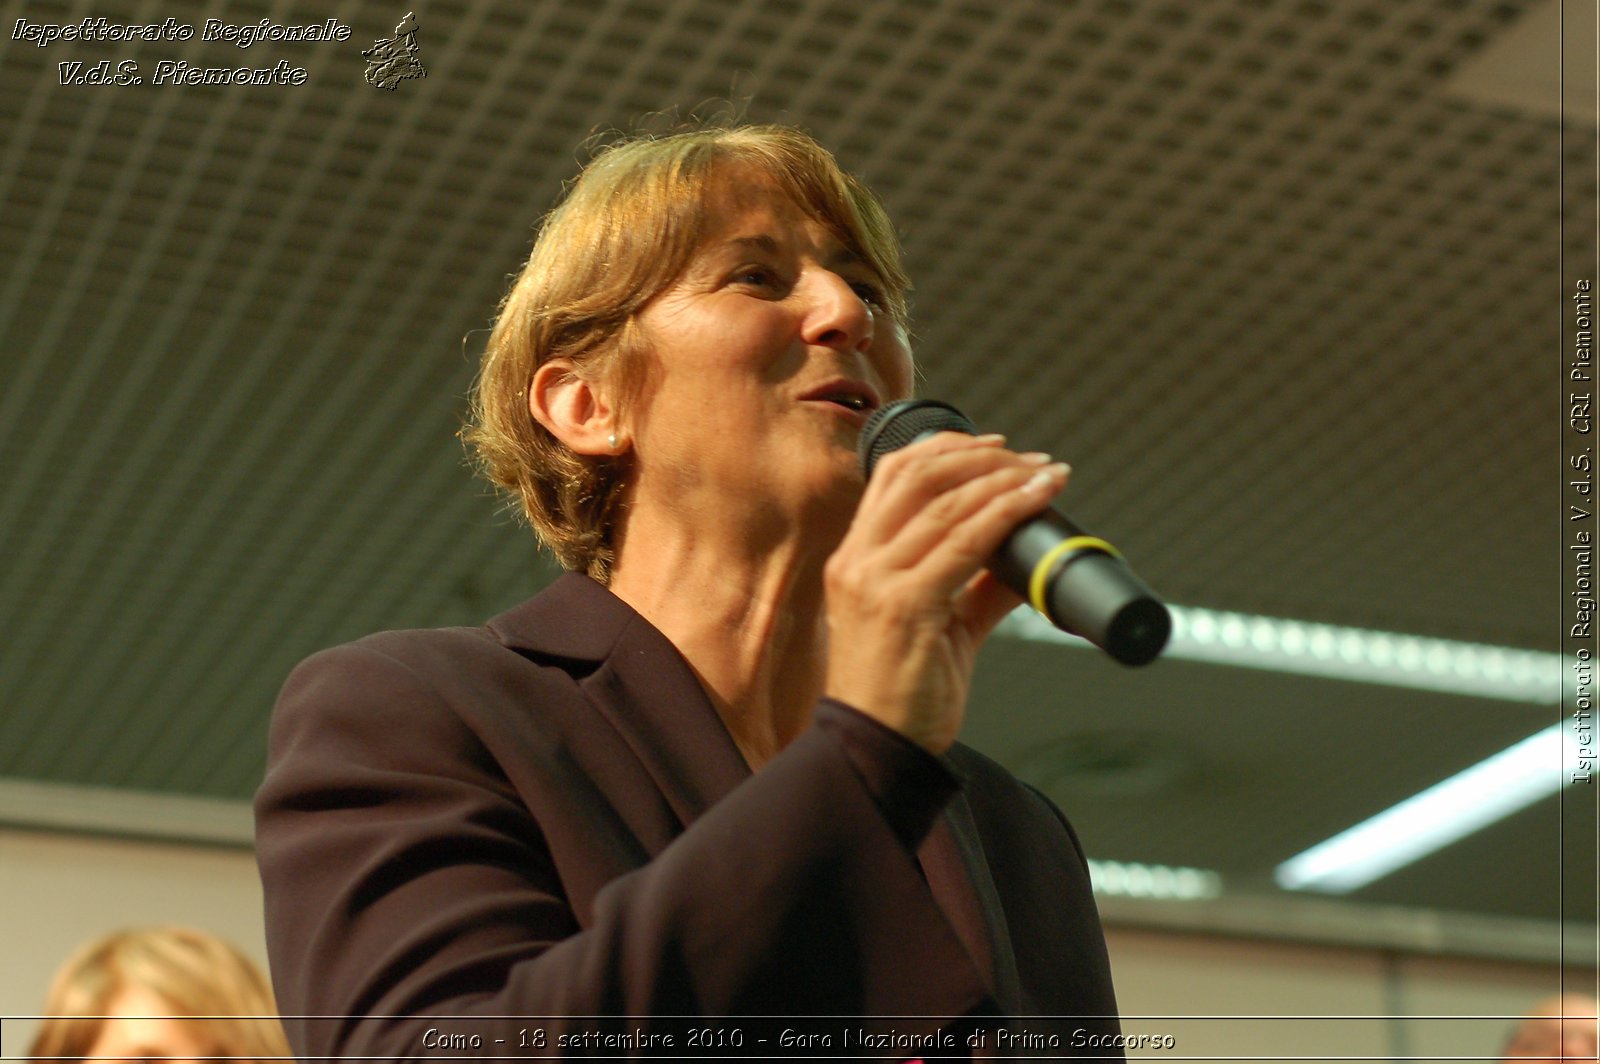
(1285, 304)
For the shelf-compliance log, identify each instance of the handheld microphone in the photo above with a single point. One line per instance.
(1078, 581)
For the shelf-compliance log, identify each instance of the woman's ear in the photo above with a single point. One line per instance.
(577, 412)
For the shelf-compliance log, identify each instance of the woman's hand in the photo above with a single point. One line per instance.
(909, 601)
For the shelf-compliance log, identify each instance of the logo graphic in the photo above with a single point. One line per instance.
(393, 59)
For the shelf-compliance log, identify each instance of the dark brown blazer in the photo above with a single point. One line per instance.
(545, 817)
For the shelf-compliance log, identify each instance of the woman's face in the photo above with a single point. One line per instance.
(769, 354)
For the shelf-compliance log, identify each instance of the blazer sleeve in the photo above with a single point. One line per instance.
(411, 896)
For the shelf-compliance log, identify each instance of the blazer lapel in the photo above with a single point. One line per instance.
(643, 688)
(1003, 961)
(640, 684)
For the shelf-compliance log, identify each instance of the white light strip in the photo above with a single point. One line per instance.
(1511, 780)
(1358, 654)
(1121, 879)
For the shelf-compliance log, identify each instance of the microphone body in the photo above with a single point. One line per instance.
(1078, 581)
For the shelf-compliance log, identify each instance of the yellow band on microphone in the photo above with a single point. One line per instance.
(1041, 571)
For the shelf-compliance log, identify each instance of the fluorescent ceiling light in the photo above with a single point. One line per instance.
(1511, 780)
(1326, 650)
(1542, 65)
(1127, 879)
(1491, 790)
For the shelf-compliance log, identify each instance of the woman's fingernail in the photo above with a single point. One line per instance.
(990, 437)
(1035, 457)
(1048, 478)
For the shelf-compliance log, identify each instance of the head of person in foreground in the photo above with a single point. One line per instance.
(170, 993)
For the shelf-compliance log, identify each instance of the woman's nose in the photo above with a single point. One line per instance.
(838, 316)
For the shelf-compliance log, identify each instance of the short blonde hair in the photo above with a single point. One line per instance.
(626, 230)
(194, 973)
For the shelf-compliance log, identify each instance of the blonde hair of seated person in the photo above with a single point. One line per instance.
(171, 993)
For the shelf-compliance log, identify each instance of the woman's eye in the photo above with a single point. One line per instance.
(869, 293)
(759, 277)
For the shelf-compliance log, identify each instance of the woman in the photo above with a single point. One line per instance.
(1557, 1028)
(710, 771)
(169, 992)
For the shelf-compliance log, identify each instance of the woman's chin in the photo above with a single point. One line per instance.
(838, 498)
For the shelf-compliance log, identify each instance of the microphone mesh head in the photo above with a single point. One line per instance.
(894, 426)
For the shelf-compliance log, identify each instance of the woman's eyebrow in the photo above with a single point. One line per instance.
(845, 255)
(842, 255)
(761, 242)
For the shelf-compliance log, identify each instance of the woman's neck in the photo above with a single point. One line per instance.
(748, 616)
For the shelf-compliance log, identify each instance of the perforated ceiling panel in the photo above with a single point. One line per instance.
(1290, 306)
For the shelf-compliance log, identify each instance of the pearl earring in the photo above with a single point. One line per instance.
(612, 439)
